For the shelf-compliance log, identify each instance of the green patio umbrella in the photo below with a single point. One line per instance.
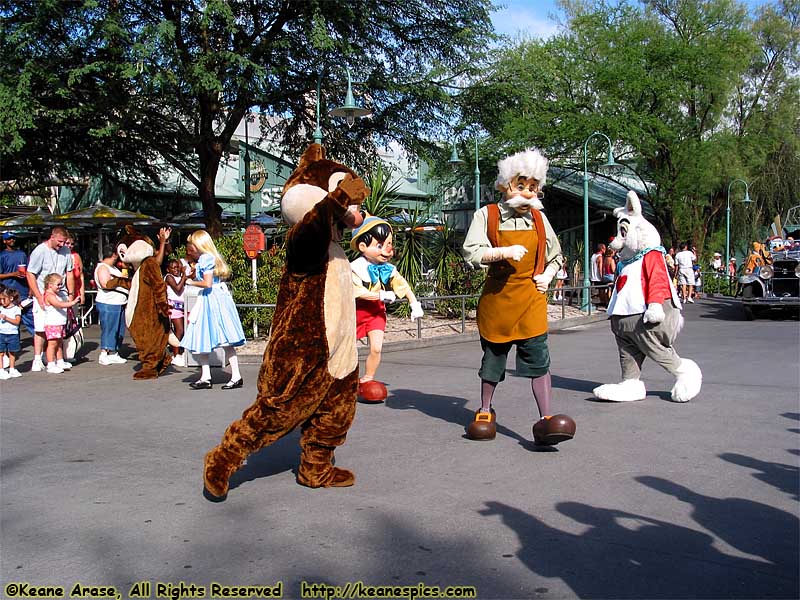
(100, 215)
(40, 218)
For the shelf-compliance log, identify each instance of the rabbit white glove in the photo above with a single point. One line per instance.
(416, 311)
(387, 297)
(654, 313)
(515, 252)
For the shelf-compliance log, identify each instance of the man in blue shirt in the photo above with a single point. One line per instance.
(12, 277)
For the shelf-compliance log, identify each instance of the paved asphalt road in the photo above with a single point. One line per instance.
(101, 479)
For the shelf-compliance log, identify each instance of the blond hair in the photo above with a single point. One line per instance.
(205, 245)
(51, 278)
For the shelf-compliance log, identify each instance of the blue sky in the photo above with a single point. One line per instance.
(538, 18)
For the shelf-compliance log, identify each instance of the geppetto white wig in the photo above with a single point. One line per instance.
(528, 163)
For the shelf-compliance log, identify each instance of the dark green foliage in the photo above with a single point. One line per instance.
(106, 87)
(693, 94)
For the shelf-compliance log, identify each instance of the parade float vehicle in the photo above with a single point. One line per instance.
(775, 287)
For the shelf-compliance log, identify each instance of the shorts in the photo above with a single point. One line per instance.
(38, 317)
(609, 278)
(533, 358)
(54, 332)
(685, 277)
(370, 315)
(9, 342)
(174, 313)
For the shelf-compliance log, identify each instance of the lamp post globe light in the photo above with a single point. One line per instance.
(349, 110)
(728, 218)
(609, 164)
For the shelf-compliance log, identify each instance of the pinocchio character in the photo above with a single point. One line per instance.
(376, 283)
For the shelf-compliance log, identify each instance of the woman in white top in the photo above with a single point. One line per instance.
(110, 304)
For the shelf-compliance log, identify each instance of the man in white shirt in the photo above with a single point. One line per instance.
(51, 256)
(684, 261)
(596, 273)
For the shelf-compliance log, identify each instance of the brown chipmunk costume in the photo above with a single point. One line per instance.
(147, 311)
(309, 376)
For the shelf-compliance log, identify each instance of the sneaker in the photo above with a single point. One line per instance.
(37, 365)
(14, 373)
(64, 365)
(116, 359)
(179, 360)
(54, 368)
(4, 374)
(690, 301)
(103, 359)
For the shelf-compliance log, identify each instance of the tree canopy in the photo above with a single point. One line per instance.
(694, 94)
(120, 87)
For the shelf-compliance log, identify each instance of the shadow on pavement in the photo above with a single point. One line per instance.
(449, 409)
(283, 455)
(723, 309)
(750, 527)
(780, 476)
(626, 555)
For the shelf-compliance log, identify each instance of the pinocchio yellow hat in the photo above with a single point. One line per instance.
(369, 223)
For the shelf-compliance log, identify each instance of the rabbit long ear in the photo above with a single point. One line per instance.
(632, 204)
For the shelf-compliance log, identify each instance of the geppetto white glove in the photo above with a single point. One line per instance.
(654, 313)
(416, 311)
(515, 253)
(543, 279)
(387, 296)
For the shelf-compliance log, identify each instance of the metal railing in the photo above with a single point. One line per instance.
(574, 296)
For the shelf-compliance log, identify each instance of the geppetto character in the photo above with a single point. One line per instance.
(517, 242)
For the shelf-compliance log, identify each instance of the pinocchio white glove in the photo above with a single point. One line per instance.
(416, 311)
(387, 296)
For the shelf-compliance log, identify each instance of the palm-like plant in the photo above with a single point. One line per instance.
(383, 192)
(410, 247)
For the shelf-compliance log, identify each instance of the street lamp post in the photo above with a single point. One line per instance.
(477, 178)
(728, 218)
(610, 163)
(247, 208)
(455, 160)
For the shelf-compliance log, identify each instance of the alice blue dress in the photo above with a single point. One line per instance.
(213, 321)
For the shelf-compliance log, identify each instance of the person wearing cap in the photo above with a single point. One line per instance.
(716, 263)
(514, 239)
(376, 283)
(13, 263)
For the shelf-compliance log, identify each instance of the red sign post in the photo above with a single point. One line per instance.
(253, 241)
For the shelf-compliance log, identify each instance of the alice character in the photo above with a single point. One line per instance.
(376, 283)
(214, 320)
(517, 243)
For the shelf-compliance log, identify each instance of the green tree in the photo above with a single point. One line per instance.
(663, 77)
(175, 78)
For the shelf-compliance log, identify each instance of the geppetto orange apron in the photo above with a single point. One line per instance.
(510, 307)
